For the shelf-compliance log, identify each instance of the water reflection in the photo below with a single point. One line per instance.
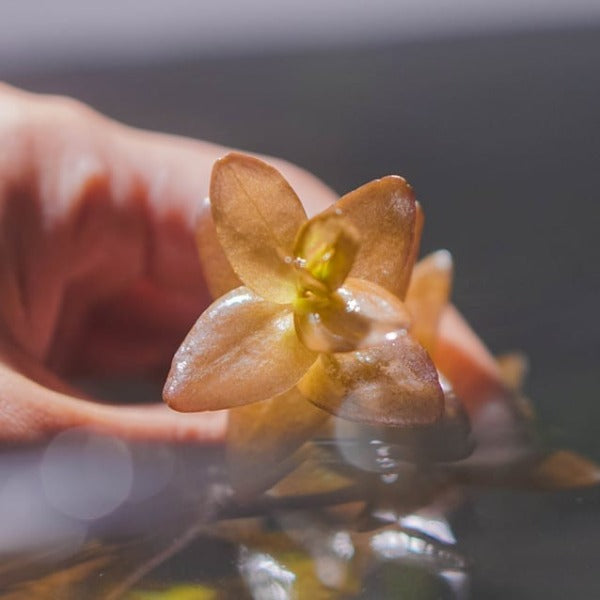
(265, 577)
(359, 513)
(86, 476)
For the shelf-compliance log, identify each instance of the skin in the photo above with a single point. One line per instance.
(100, 275)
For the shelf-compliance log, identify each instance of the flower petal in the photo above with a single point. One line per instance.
(405, 277)
(385, 213)
(262, 435)
(428, 294)
(242, 349)
(257, 215)
(362, 314)
(394, 384)
(327, 246)
(219, 276)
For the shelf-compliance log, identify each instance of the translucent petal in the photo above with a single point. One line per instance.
(257, 215)
(326, 246)
(428, 294)
(262, 435)
(361, 314)
(384, 211)
(242, 349)
(219, 276)
(394, 385)
(405, 277)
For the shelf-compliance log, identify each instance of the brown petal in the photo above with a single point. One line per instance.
(262, 435)
(362, 314)
(257, 215)
(384, 213)
(405, 277)
(327, 246)
(242, 349)
(394, 385)
(428, 294)
(219, 276)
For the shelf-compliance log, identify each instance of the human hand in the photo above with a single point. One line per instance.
(99, 270)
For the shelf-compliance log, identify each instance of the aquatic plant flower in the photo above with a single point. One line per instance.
(320, 314)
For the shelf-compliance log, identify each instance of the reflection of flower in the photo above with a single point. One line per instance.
(320, 307)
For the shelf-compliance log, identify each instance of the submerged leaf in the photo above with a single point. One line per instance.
(242, 349)
(58, 581)
(394, 384)
(565, 470)
(275, 569)
(313, 475)
(262, 435)
(428, 294)
(361, 314)
(385, 213)
(257, 215)
(194, 591)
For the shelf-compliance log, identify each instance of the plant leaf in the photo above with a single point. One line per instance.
(428, 294)
(257, 216)
(362, 314)
(394, 384)
(262, 435)
(384, 211)
(242, 349)
(327, 245)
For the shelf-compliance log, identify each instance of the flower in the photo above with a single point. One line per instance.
(319, 308)
(331, 318)
(318, 325)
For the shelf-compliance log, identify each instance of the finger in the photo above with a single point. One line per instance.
(111, 207)
(31, 411)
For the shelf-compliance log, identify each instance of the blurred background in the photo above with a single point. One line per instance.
(490, 110)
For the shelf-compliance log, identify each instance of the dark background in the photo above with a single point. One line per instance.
(500, 136)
